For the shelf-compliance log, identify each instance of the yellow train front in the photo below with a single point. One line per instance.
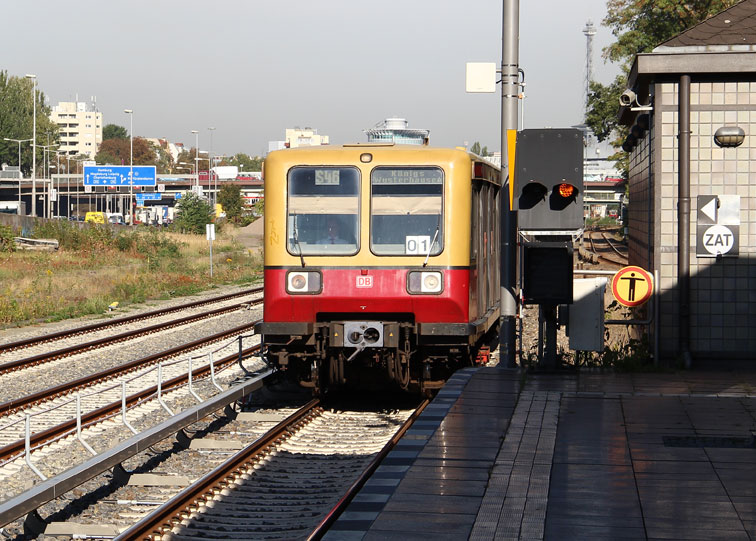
(381, 264)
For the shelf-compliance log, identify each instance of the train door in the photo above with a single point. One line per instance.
(482, 259)
(474, 251)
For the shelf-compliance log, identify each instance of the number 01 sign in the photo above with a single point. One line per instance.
(417, 244)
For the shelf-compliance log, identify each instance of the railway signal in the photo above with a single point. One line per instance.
(548, 194)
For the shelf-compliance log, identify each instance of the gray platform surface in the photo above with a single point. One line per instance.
(505, 455)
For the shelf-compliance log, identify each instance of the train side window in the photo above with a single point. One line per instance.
(406, 211)
(323, 213)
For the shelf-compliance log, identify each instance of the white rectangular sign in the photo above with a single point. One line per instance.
(416, 244)
(210, 231)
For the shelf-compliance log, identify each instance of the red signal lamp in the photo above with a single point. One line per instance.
(566, 190)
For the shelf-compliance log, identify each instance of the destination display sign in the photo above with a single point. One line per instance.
(426, 175)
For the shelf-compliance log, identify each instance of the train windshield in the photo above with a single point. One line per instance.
(406, 216)
(323, 211)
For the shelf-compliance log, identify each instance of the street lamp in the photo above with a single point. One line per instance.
(196, 157)
(130, 112)
(34, 141)
(20, 174)
(210, 168)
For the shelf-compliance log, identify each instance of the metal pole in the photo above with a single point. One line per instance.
(509, 101)
(34, 145)
(683, 217)
(210, 168)
(130, 112)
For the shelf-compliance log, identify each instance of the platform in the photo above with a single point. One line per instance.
(506, 455)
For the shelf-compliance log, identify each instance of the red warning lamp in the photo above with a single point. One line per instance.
(566, 190)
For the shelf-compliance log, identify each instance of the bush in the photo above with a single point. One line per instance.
(7, 244)
(194, 213)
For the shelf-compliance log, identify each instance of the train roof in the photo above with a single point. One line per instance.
(378, 149)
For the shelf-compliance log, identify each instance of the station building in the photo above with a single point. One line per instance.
(691, 106)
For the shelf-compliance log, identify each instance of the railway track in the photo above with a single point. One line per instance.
(106, 401)
(294, 473)
(291, 484)
(110, 339)
(605, 249)
(94, 327)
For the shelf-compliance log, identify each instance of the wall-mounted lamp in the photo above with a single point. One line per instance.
(729, 136)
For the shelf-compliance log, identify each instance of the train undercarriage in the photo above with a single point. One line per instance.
(374, 354)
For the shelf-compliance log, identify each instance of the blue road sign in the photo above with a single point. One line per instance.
(142, 197)
(118, 175)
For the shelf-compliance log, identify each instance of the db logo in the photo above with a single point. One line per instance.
(364, 281)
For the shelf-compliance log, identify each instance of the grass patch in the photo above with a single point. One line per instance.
(96, 266)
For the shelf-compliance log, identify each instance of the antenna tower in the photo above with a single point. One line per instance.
(589, 31)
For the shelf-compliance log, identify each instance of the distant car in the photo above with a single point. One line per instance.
(95, 217)
(114, 218)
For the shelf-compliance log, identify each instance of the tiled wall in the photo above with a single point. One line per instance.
(723, 292)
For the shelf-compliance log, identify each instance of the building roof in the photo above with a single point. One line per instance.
(733, 26)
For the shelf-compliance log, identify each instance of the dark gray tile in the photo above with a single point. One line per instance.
(435, 487)
(578, 533)
(429, 523)
(438, 504)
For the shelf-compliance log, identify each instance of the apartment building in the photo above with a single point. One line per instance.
(80, 128)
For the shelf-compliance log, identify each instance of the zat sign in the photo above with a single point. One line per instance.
(718, 240)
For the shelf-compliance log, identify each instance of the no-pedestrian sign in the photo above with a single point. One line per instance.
(632, 286)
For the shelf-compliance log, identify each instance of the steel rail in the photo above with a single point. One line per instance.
(11, 406)
(173, 511)
(321, 529)
(610, 242)
(28, 342)
(32, 499)
(16, 448)
(101, 342)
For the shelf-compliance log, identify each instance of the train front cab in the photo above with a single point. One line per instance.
(380, 264)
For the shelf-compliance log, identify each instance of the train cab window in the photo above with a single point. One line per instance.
(406, 211)
(323, 211)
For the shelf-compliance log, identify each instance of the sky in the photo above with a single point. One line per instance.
(253, 68)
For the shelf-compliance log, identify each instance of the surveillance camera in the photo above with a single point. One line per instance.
(628, 98)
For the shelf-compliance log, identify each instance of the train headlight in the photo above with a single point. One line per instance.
(303, 282)
(425, 282)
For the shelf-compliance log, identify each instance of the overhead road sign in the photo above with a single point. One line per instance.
(118, 175)
(632, 286)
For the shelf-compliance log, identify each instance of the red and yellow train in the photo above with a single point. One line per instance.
(381, 264)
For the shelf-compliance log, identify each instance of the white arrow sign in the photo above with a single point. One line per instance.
(710, 210)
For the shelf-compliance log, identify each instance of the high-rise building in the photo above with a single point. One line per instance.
(80, 127)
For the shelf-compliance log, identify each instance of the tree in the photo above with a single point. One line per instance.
(231, 199)
(16, 114)
(246, 163)
(186, 159)
(639, 26)
(475, 148)
(194, 213)
(118, 152)
(113, 131)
